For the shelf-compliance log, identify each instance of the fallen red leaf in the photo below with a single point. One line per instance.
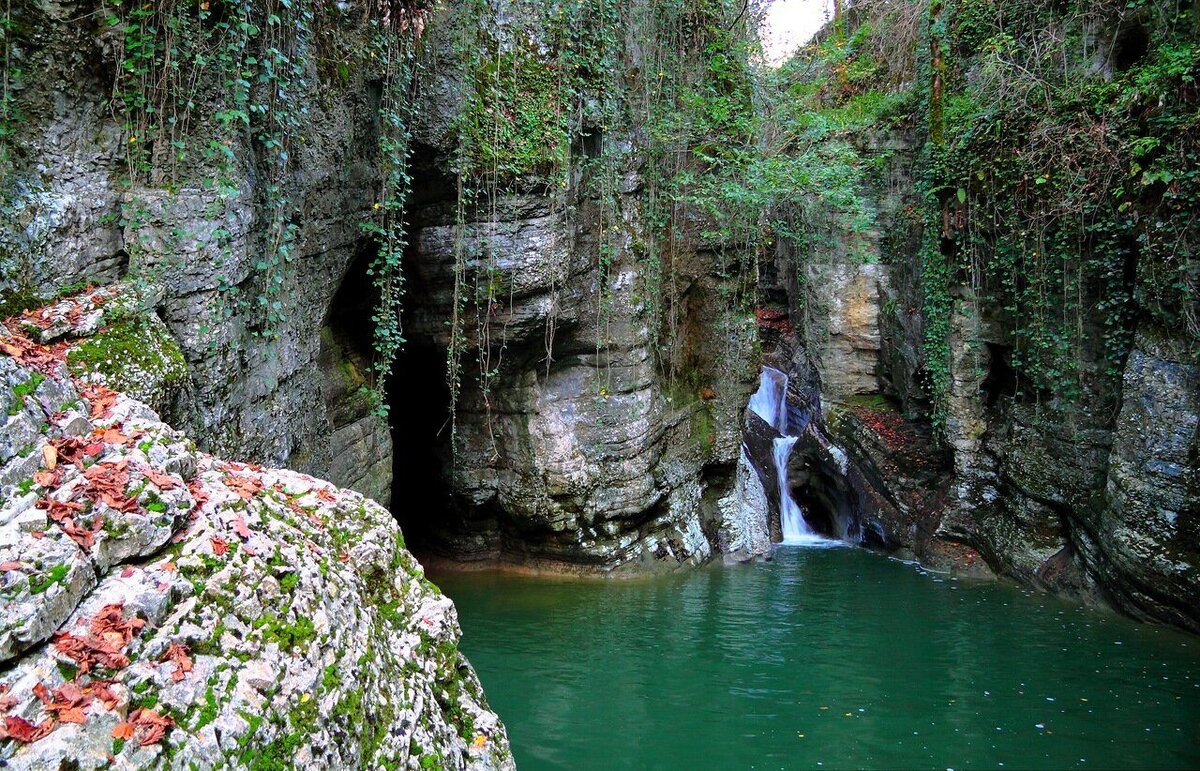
(123, 730)
(113, 436)
(108, 634)
(101, 690)
(101, 400)
(153, 725)
(21, 730)
(7, 566)
(178, 654)
(163, 481)
(220, 546)
(72, 715)
(245, 487)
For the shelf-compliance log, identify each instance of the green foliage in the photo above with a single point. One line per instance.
(388, 225)
(130, 354)
(21, 390)
(195, 81)
(1059, 179)
(55, 575)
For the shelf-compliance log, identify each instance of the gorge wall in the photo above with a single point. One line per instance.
(249, 226)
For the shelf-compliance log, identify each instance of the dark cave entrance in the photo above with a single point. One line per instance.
(1001, 378)
(419, 400)
(412, 475)
(1130, 47)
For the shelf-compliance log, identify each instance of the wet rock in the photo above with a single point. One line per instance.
(744, 529)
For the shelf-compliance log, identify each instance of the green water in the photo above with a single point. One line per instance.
(823, 658)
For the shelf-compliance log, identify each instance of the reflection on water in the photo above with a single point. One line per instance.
(823, 658)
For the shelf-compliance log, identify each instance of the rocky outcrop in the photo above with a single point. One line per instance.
(1141, 536)
(195, 246)
(575, 441)
(164, 608)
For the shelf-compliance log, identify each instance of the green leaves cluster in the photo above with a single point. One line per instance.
(1060, 173)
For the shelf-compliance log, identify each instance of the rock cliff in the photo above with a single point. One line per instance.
(165, 608)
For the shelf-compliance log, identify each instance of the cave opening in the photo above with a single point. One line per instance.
(1001, 378)
(419, 402)
(1131, 46)
(826, 496)
(401, 461)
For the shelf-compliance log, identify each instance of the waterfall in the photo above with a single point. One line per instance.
(770, 400)
(791, 516)
(770, 403)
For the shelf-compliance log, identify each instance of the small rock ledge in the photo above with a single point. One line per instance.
(162, 608)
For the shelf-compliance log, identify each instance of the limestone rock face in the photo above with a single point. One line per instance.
(1145, 528)
(745, 530)
(78, 220)
(575, 439)
(1093, 498)
(163, 608)
(848, 354)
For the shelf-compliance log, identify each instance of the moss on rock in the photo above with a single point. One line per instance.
(137, 356)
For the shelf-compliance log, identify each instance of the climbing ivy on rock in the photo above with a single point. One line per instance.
(394, 46)
(1058, 179)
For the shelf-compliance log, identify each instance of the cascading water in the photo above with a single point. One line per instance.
(770, 403)
(770, 400)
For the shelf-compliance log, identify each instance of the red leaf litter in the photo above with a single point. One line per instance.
(72, 449)
(151, 725)
(160, 480)
(21, 730)
(63, 515)
(70, 309)
(107, 636)
(776, 319)
(46, 359)
(48, 479)
(245, 487)
(100, 398)
(113, 436)
(220, 546)
(106, 484)
(178, 655)
(196, 488)
(69, 701)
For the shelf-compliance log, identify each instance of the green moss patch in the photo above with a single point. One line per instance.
(136, 356)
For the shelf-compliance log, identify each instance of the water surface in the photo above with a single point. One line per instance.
(823, 658)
